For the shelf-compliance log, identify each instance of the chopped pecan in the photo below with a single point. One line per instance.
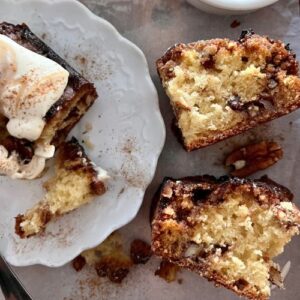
(115, 272)
(252, 107)
(275, 276)
(252, 158)
(140, 252)
(167, 271)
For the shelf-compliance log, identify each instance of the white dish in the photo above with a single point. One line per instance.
(228, 7)
(128, 132)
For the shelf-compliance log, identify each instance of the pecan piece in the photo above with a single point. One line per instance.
(78, 263)
(275, 276)
(140, 252)
(254, 157)
(167, 271)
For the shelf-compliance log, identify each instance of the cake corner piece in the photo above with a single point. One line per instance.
(219, 88)
(226, 230)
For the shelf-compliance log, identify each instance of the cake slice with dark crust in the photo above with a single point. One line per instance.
(78, 95)
(219, 88)
(226, 230)
(76, 182)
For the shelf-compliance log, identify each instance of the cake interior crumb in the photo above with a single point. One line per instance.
(65, 192)
(203, 92)
(237, 239)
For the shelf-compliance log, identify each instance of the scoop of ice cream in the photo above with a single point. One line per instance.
(29, 85)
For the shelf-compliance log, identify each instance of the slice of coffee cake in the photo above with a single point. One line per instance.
(76, 182)
(219, 88)
(41, 99)
(226, 230)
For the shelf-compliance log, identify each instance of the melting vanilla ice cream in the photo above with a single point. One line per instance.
(29, 85)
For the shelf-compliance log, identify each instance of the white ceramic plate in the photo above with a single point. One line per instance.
(230, 7)
(127, 133)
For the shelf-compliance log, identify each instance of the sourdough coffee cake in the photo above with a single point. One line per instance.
(76, 182)
(41, 99)
(226, 230)
(219, 88)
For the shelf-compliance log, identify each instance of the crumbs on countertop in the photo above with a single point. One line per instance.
(89, 145)
(140, 251)
(235, 23)
(167, 271)
(87, 128)
(78, 263)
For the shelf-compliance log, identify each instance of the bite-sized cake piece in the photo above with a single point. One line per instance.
(77, 181)
(41, 99)
(219, 88)
(109, 259)
(227, 230)
(167, 271)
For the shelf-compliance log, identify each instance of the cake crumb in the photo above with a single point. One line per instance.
(87, 128)
(167, 271)
(89, 145)
(78, 263)
(109, 259)
(235, 23)
(140, 251)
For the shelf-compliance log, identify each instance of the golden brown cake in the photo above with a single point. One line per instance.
(77, 181)
(76, 98)
(219, 88)
(227, 230)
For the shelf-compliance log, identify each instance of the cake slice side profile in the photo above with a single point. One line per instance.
(77, 181)
(227, 230)
(219, 88)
